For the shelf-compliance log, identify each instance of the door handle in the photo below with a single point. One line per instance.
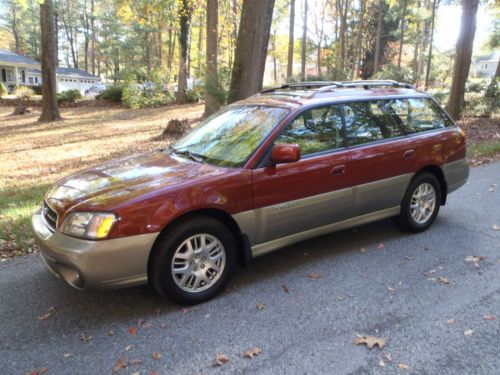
(409, 154)
(339, 169)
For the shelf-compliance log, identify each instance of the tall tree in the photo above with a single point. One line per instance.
(212, 103)
(251, 49)
(357, 46)
(289, 68)
(402, 33)
(463, 55)
(380, 16)
(431, 41)
(50, 109)
(304, 45)
(185, 13)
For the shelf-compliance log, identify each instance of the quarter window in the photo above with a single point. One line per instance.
(420, 114)
(314, 130)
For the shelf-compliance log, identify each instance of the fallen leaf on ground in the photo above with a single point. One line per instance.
(260, 306)
(135, 362)
(362, 250)
(489, 317)
(52, 310)
(492, 188)
(450, 321)
(340, 297)
(252, 352)
(140, 322)
(67, 355)
(391, 289)
(381, 246)
(156, 356)
(85, 338)
(370, 341)
(121, 364)
(473, 258)
(402, 366)
(495, 227)
(132, 330)
(184, 310)
(388, 357)
(129, 347)
(468, 332)
(443, 280)
(315, 275)
(111, 333)
(163, 326)
(220, 360)
(286, 289)
(381, 363)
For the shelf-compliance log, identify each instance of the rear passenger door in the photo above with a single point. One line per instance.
(382, 156)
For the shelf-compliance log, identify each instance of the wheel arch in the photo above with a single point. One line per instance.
(244, 253)
(439, 174)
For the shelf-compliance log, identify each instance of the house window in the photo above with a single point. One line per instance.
(36, 80)
(10, 76)
(30, 80)
(484, 66)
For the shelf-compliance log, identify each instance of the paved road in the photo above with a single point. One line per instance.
(311, 329)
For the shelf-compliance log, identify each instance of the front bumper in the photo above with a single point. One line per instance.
(84, 264)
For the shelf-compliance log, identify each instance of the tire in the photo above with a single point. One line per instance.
(409, 219)
(183, 280)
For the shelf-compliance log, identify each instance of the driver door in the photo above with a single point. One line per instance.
(311, 193)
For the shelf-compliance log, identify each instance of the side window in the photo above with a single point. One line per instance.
(314, 130)
(420, 114)
(370, 121)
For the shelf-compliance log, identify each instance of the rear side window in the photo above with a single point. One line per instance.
(370, 121)
(420, 114)
(314, 130)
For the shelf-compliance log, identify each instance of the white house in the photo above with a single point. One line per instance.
(485, 66)
(17, 70)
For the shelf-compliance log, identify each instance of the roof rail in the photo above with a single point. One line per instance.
(303, 85)
(365, 84)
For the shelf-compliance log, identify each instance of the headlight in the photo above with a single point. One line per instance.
(90, 225)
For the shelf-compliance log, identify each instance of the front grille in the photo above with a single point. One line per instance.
(50, 216)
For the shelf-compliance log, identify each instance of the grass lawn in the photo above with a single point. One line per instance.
(33, 156)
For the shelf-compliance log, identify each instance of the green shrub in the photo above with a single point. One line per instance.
(132, 96)
(392, 72)
(476, 86)
(195, 94)
(69, 96)
(3, 89)
(112, 93)
(492, 90)
(441, 95)
(23, 92)
(37, 89)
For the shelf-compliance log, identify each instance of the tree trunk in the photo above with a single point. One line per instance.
(497, 72)
(429, 58)
(402, 34)
(185, 18)
(50, 108)
(463, 54)
(200, 45)
(15, 31)
(251, 49)
(304, 44)
(357, 46)
(379, 36)
(212, 102)
(93, 31)
(289, 68)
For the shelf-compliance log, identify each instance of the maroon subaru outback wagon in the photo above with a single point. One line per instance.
(283, 166)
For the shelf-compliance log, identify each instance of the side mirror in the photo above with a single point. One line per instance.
(285, 153)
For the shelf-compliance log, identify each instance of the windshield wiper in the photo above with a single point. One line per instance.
(192, 155)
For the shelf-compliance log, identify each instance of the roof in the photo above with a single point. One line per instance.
(75, 72)
(493, 56)
(12, 57)
(297, 95)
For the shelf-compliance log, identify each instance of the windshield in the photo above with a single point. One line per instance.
(228, 138)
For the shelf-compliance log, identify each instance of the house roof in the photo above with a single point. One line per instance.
(11, 57)
(493, 56)
(75, 72)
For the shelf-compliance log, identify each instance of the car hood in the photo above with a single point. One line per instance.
(109, 185)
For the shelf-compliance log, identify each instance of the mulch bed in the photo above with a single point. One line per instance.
(480, 130)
